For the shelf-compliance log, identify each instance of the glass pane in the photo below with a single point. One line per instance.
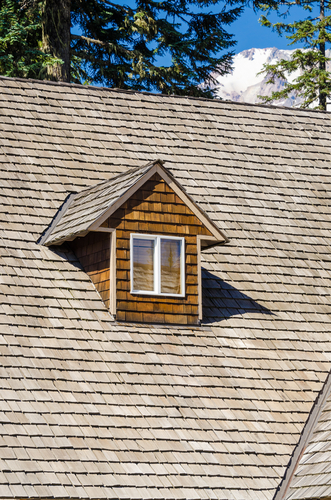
(143, 264)
(170, 266)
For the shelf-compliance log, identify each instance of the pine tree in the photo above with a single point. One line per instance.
(21, 54)
(56, 23)
(120, 46)
(313, 83)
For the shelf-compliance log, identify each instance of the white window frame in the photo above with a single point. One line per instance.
(157, 264)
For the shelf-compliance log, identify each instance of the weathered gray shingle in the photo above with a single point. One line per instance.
(88, 208)
(93, 409)
(85, 207)
(309, 472)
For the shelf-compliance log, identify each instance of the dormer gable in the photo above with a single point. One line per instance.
(139, 237)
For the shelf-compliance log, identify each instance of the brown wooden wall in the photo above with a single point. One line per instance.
(93, 252)
(156, 209)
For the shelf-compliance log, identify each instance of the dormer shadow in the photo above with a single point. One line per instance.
(221, 300)
(139, 237)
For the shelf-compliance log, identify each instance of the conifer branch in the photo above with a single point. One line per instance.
(113, 48)
(120, 45)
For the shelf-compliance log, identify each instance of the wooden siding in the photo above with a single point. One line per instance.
(93, 252)
(156, 209)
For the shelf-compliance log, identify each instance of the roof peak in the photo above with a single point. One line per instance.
(86, 210)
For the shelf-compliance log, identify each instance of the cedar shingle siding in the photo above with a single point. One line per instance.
(156, 209)
(97, 409)
(93, 252)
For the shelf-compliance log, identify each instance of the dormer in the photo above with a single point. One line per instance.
(139, 237)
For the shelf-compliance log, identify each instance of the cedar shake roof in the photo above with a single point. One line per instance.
(95, 409)
(309, 471)
(89, 208)
(84, 208)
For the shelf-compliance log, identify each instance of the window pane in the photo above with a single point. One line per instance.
(170, 266)
(143, 264)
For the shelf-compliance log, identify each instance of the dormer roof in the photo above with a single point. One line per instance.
(87, 210)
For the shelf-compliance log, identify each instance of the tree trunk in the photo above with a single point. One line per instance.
(56, 23)
(322, 96)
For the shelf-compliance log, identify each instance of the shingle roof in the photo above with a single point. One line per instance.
(85, 207)
(91, 408)
(88, 208)
(308, 474)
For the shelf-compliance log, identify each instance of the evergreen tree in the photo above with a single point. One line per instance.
(313, 82)
(20, 41)
(120, 46)
(56, 24)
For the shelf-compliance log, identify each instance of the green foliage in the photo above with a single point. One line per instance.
(20, 41)
(121, 46)
(310, 79)
(312, 82)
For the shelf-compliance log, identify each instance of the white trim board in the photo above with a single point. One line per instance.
(157, 274)
(157, 167)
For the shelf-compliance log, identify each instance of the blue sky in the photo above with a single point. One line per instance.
(249, 33)
(247, 30)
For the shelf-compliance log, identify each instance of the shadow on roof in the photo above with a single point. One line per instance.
(221, 300)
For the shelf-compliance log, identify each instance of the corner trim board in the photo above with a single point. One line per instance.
(199, 278)
(112, 273)
(200, 239)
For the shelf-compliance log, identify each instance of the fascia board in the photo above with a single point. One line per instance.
(157, 167)
(200, 214)
(59, 215)
(125, 196)
(218, 235)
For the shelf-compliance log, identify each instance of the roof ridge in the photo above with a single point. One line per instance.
(175, 96)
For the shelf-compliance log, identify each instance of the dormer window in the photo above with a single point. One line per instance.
(157, 265)
(139, 236)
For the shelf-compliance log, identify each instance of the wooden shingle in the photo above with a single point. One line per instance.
(92, 408)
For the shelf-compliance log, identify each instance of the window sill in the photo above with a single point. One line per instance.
(154, 294)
